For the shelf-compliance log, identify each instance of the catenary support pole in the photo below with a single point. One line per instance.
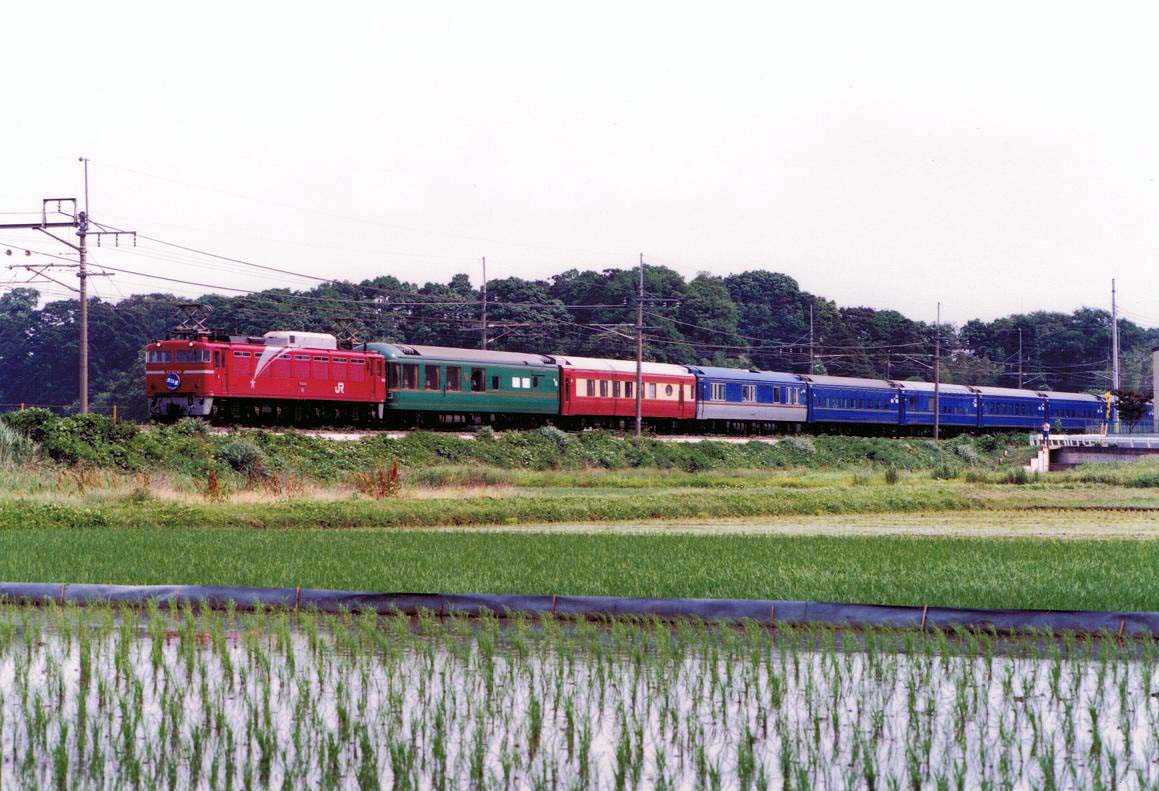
(812, 365)
(1019, 358)
(1115, 383)
(484, 303)
(938, 373)
(82, 227)
(1114, 339)
(640, 351)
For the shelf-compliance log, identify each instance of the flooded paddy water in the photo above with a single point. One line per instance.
(101, 698)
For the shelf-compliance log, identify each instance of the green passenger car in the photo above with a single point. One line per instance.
(457, 385)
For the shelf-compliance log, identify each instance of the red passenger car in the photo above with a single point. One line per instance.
(605, 390)
(295, 377)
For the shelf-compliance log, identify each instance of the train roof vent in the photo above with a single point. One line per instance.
(412, 351)
(303, 340)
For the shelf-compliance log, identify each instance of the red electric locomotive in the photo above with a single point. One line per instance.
(597, 388)
(298, 377)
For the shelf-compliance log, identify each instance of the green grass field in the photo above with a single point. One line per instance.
(494, 516)
(965, 572)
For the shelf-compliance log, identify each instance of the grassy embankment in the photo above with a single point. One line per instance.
(141, 507)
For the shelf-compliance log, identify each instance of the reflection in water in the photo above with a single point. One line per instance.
(214, 699)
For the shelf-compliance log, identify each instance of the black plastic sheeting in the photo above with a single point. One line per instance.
(768, 611)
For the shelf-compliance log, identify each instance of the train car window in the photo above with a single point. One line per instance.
(616, 389)
(748, 393)
(535, 382)
(408, 376)
(431, 377)
(453, 378)
(718, 391)
(652, 390)
(494, 382)
(526, 382)
(603, 388)
(668, 390)
(478, 380)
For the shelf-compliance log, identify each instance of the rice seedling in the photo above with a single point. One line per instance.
(105, 697)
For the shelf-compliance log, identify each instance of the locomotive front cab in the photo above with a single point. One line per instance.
(182, 378)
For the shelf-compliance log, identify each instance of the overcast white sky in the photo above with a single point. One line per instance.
(996, 156)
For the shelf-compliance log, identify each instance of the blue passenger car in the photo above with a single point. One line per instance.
(734, 394)
(957, 404)
(1076, 411)
(840, 399)
(1007, 407)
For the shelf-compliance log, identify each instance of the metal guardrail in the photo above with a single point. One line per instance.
(1146, 441)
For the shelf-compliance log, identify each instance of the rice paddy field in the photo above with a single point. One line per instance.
(100, 697)
(975, 539)
(106, 698)
(1030, 573)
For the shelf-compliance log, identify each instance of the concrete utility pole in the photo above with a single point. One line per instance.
(484, 303)
(640, 351)
(80, 221)
(938, 373)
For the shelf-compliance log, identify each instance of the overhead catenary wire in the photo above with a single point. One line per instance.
(364, 220)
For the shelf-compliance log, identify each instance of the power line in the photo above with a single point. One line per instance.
(361, 220)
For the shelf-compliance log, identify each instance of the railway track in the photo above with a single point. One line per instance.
(346, 435)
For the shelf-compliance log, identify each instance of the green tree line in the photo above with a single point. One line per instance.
(754, 319)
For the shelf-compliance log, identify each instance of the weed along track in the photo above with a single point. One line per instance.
(105, 697)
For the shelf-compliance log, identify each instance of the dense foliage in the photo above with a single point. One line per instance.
(754, 318)
(96, 441)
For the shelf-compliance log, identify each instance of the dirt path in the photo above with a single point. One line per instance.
(983, 524)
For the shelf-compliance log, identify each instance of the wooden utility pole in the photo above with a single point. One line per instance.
(938, 373)
(640, 351)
